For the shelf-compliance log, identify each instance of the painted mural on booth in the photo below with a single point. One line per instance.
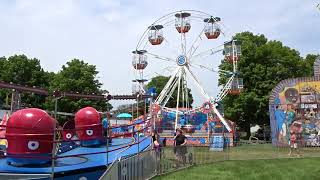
(296, 113)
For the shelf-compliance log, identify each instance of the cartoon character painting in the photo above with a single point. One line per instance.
(291, 95)
(281, 126)
(296, 100)
(297, 103)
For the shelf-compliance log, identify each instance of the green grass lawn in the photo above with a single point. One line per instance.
(262, 161)
(203, 155)
(291, 169)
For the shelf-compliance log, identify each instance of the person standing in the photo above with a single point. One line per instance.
(164, 141)
(295, 137)
(180, 141)
(155, 140)
(106, 129)
(290, 117)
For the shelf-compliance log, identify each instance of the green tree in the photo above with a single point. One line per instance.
(20, 69)
(262, 66)
(159, 82)
(78, 76)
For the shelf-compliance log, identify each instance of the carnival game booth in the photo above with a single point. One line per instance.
(36, 149)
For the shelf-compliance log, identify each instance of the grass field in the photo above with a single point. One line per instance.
(203, 155)
(275, 169)
(247, 161)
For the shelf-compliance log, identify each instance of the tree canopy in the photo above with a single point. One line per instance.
(81, 77)
(262, 66)
(21, 70)
(159, 82)
(75, 76)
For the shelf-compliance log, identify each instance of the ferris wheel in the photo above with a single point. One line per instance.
(184, 39)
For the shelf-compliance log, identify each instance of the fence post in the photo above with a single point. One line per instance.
(155, 169)
(228, 151)
(53, 153)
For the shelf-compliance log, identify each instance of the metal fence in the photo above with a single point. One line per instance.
(138, 167)
(165, 160)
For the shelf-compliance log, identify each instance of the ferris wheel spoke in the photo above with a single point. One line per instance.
(183, 43)
(171, 46)
(161, 72)
(197, 83)
(206, 53)
(169, 96)
(168, 86)
(195, 45)
(220, 71)
(225, 89)
(184, 92)
(178, 99)
(160, 57)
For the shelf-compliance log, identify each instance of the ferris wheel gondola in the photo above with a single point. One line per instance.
(186, 57)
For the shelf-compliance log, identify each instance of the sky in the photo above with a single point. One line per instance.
(104, 32)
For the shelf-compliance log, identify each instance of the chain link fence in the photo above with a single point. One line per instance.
(137, 167)
(168, 159)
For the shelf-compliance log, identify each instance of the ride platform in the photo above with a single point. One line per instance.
(77, 162)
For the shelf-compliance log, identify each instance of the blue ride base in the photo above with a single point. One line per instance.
(29, 160)
(75, 162)
(89, 143)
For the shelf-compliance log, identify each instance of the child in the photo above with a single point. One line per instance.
(294, 143)
(156, 141)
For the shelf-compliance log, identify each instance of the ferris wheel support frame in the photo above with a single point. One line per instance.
(178, 98)
(225, 89)
(197, 83)
(167, 87)
(210, 99)
(171, 92)
(227, 86)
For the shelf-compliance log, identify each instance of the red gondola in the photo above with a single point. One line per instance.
(232, 51)
(139, 59)
(236, 86)
(212, 30)
(182, 22)
(155, 34)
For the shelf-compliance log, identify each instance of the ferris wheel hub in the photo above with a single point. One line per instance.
(182, 60)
